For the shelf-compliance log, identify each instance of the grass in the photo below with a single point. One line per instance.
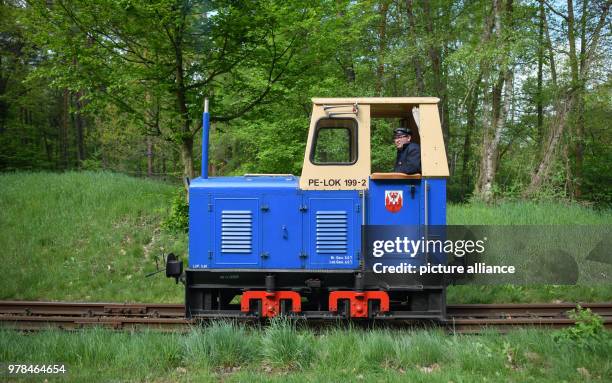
(528, 293)
(286, 352)
(526, 213)
(93, 236)
(84, 236)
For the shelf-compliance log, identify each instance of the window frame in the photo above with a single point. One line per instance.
(352, 141)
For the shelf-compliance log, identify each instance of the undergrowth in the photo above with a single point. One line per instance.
(178, 218)
(588, 331)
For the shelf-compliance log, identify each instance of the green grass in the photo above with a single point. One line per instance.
(285, 352)
(93, 236)
(84, 236)
(528, 293)
(526, 213)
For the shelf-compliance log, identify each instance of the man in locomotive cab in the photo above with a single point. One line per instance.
(408, 159)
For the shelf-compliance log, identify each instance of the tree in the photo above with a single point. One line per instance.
(494, 124)
(180, 51)
(570, 98)
(119, 84)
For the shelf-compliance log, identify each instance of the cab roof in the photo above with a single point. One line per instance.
(381, 106)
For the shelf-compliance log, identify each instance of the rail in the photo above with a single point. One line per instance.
(463, 318)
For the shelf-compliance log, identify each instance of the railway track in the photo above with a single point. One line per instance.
(31, 315)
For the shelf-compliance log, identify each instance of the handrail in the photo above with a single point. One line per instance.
(395, 176)
(268, 175)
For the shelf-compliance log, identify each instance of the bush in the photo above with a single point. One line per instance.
(178, 220)
(588, 330)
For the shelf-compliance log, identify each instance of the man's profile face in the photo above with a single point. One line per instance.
(400, 141)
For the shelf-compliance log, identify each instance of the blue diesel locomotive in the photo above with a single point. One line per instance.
(261, 245)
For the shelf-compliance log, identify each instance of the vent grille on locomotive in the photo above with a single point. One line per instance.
(332, 236)
(236, 231)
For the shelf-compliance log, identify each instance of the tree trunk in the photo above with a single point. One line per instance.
(80, 146)
(187, 156)
(492, 132)
(382, 45)
(186, 139)
(435, 56)
(344, 56)
(412, 41)
(572, 43)
(551, 53)
(149, 156)
(557, 126)
(47, 144)
(467, 140)
(3, 104)
(574, 86)
(568, 168)
(579, 136)
(349, 71)
(491, 145)
(64, 128)
(540, 101)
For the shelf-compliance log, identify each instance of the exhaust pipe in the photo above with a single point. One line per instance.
(205, 130)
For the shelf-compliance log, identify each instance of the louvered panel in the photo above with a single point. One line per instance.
(236, 231)
(332, 232)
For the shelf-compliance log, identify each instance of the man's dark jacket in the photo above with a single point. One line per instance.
(408, 159)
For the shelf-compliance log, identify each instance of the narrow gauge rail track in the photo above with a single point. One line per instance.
(31, 315)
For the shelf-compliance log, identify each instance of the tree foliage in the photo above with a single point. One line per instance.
(118, 84)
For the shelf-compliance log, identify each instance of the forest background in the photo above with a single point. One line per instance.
(524, 86)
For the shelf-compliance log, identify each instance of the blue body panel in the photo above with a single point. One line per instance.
(413, 216)
(437, 201)
(413, 209)
(332, 231)
(267, 222)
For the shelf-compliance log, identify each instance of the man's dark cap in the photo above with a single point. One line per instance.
(399, 132)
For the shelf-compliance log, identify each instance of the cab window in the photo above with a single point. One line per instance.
(335, 142)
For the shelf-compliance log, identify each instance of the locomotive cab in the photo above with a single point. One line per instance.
(261, 245)
(338, 156)
(338, 149)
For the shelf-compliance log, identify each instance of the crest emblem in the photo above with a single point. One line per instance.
(394, 200)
